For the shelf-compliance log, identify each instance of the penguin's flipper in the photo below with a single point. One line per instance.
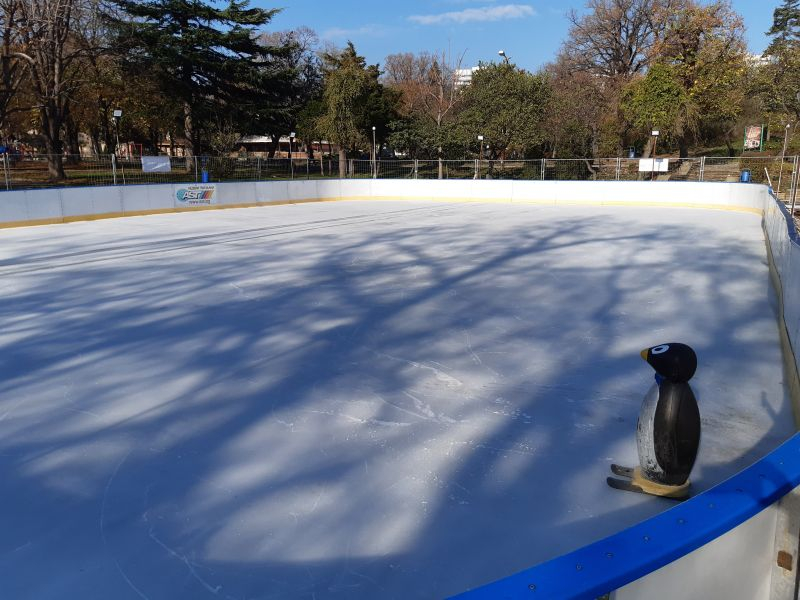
(676, 432)
(622, 471)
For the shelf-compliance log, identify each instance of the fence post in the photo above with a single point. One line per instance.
(543, 161)
(619, 167)
(308, 168)
(258, 168)
(6, 169)
(195, 169)
(702, 167)
(794, 193)
(114, 167)
(416, 168)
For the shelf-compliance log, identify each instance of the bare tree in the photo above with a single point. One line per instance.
(50, 46)
(429, 84)
(12, 69)
(613, 42)
(574, 111)
(408, 73)
(615, 38)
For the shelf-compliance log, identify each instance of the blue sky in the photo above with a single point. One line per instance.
(530, 31)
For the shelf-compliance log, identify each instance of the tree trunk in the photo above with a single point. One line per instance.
(108, 137)
(188, 131)
(72, 141)
(731, 150)
(94, 135)
(342, 163)
(648, 148)
(55, 163)
(188, 135)
(51, 128)
(275, 140)
(310, 150)
(683, 147)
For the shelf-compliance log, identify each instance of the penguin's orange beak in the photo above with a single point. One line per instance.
(644, 352)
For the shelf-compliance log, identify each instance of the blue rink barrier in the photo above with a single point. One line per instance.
(609, 564)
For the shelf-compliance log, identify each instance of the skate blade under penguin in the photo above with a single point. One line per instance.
(622, 471)
(678, 493)
(624, 484)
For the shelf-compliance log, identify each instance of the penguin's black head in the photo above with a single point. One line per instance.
(673, 361)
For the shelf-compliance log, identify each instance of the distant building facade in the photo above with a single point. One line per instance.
(464, 76)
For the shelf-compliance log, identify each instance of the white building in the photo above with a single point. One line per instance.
(464, 76)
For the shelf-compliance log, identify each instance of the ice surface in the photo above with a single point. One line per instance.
(356, 400)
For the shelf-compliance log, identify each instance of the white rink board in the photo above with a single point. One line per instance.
(31, 206)
(357, 399)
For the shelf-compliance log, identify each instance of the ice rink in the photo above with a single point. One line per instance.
(357, 399)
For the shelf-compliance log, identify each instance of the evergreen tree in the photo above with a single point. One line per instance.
(506, 105)
(208, 58)
(353, 102)
(785, 29)
(779, 82)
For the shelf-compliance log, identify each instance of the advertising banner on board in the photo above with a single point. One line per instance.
(657, 165)
(754, 137)
(196, 194)
(156, 164)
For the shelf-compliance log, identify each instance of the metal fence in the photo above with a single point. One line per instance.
(27, 172)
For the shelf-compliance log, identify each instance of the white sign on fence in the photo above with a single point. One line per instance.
(649, 165)
(196, 194)
(156, 164)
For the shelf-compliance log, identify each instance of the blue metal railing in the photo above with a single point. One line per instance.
(626, 556)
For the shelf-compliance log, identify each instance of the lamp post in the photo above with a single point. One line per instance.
(291, 162)
(783, 155)
(117, 117)
(655, 133)
(374, 155)
(504, 55)
(480, 156)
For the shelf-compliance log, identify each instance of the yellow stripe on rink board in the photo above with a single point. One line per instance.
(462, 200)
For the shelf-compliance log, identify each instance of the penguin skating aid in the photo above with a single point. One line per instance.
(668, 430)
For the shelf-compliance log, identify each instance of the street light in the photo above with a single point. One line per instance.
(291, 162)
(783, 155)
(117, 117)
(503, 54)
(655, 133)
(374, 155)
(480, 154)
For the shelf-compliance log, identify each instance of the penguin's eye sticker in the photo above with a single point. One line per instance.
(660, 349)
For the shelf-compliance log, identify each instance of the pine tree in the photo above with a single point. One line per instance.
(353, 102)
(206, 57)
(785, 29)
(780, 79)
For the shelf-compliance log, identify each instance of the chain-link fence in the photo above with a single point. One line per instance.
(28, 172)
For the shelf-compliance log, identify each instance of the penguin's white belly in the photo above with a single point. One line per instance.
(645, 443)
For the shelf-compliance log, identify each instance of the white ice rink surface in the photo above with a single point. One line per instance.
(356, 399)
